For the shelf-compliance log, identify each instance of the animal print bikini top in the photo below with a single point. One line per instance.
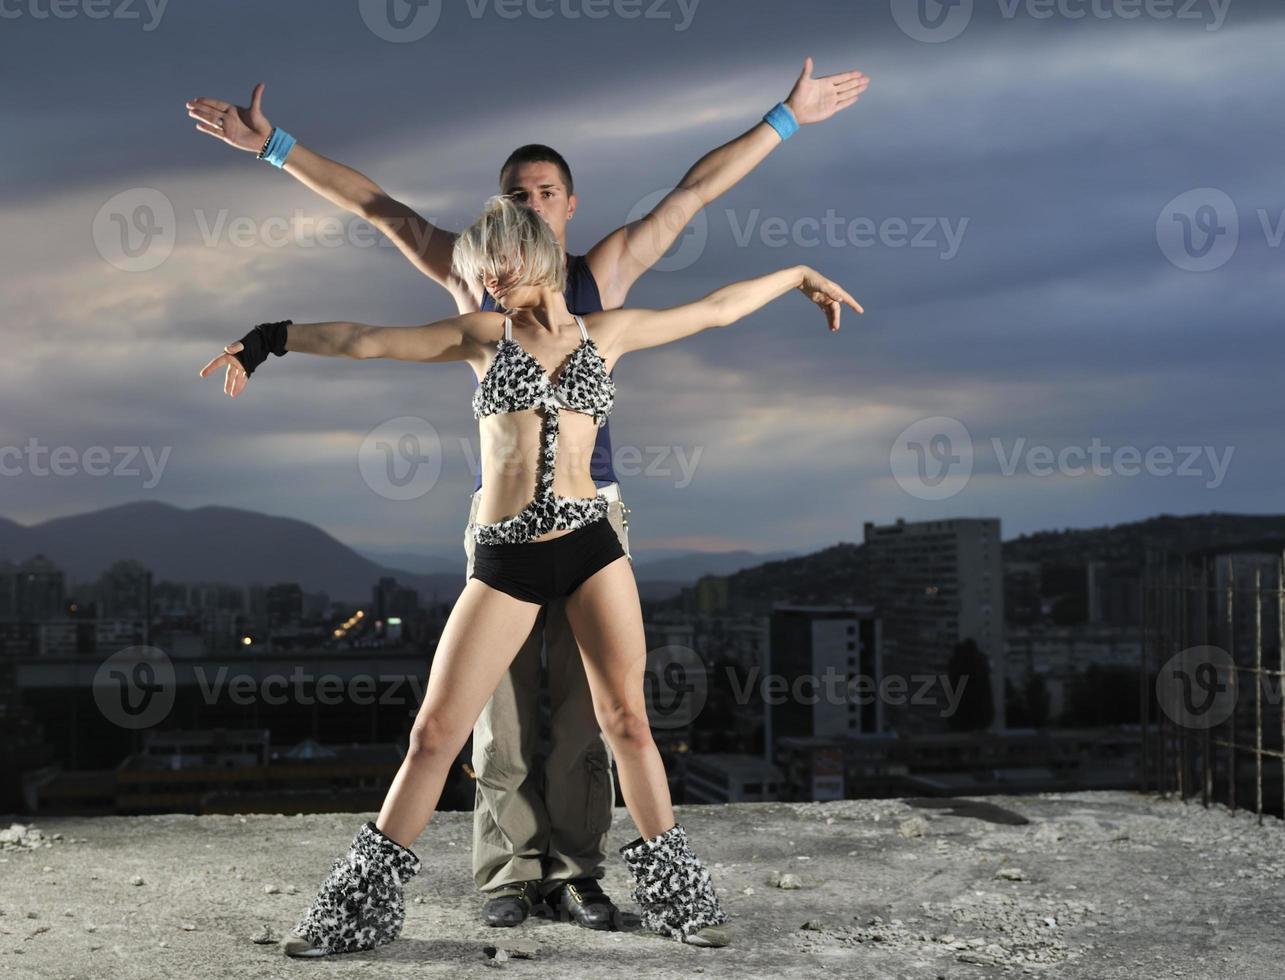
(516, 381)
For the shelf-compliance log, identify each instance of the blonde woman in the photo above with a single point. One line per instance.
(537, 429)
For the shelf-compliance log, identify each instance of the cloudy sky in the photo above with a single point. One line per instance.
(1064, 221)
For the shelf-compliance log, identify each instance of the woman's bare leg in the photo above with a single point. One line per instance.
(482, 635)
(672, 887)
(606, 616)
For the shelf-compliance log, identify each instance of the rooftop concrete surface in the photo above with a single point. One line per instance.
(1096, 885)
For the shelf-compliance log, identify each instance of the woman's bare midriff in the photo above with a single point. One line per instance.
(510, 449)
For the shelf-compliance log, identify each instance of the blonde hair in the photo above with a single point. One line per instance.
(510, 238)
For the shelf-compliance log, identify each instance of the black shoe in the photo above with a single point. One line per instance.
(511, 904)
(582, 900)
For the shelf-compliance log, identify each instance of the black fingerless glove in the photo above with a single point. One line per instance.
(265, 339)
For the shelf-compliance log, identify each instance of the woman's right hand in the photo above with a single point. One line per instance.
(235, 379)
(245, 127)
(828, 295)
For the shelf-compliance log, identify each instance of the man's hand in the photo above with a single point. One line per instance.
(814, 100)
(245, 127)
(830, 296)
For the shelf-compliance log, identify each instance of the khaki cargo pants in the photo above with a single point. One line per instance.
(545, 822)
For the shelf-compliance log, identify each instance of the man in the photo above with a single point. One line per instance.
(541, 834)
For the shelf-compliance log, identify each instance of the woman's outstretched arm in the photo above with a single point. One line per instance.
(456, 338)
(635, 329)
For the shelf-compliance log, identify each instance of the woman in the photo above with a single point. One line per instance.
(537, 428)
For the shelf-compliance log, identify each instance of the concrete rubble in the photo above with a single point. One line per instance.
(1094, 885)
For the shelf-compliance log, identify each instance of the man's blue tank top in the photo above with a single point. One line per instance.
(582, 297)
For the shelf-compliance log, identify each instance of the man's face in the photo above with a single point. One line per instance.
(540, 187)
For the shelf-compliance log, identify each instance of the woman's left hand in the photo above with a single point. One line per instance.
(830, 296)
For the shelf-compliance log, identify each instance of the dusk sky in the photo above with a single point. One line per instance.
(1064, 221)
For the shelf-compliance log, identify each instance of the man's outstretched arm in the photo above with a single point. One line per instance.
(427, 247)
(623, 256)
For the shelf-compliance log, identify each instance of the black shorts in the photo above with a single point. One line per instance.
(540, 571)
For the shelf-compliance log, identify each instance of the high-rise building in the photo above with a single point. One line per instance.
(33, 590)
(283, 602)
(934, 585)
(1114, 594)
(124, 590)
(389, 599)
(8, 589)
(823, 674)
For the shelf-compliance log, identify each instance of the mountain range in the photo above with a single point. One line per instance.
(239, 547)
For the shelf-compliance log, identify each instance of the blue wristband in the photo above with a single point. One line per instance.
(277, 147)
(782, 120)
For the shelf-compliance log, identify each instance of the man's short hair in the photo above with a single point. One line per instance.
(538, 153)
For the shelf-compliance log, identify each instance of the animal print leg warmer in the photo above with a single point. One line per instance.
(671, 886)
(360, 904)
